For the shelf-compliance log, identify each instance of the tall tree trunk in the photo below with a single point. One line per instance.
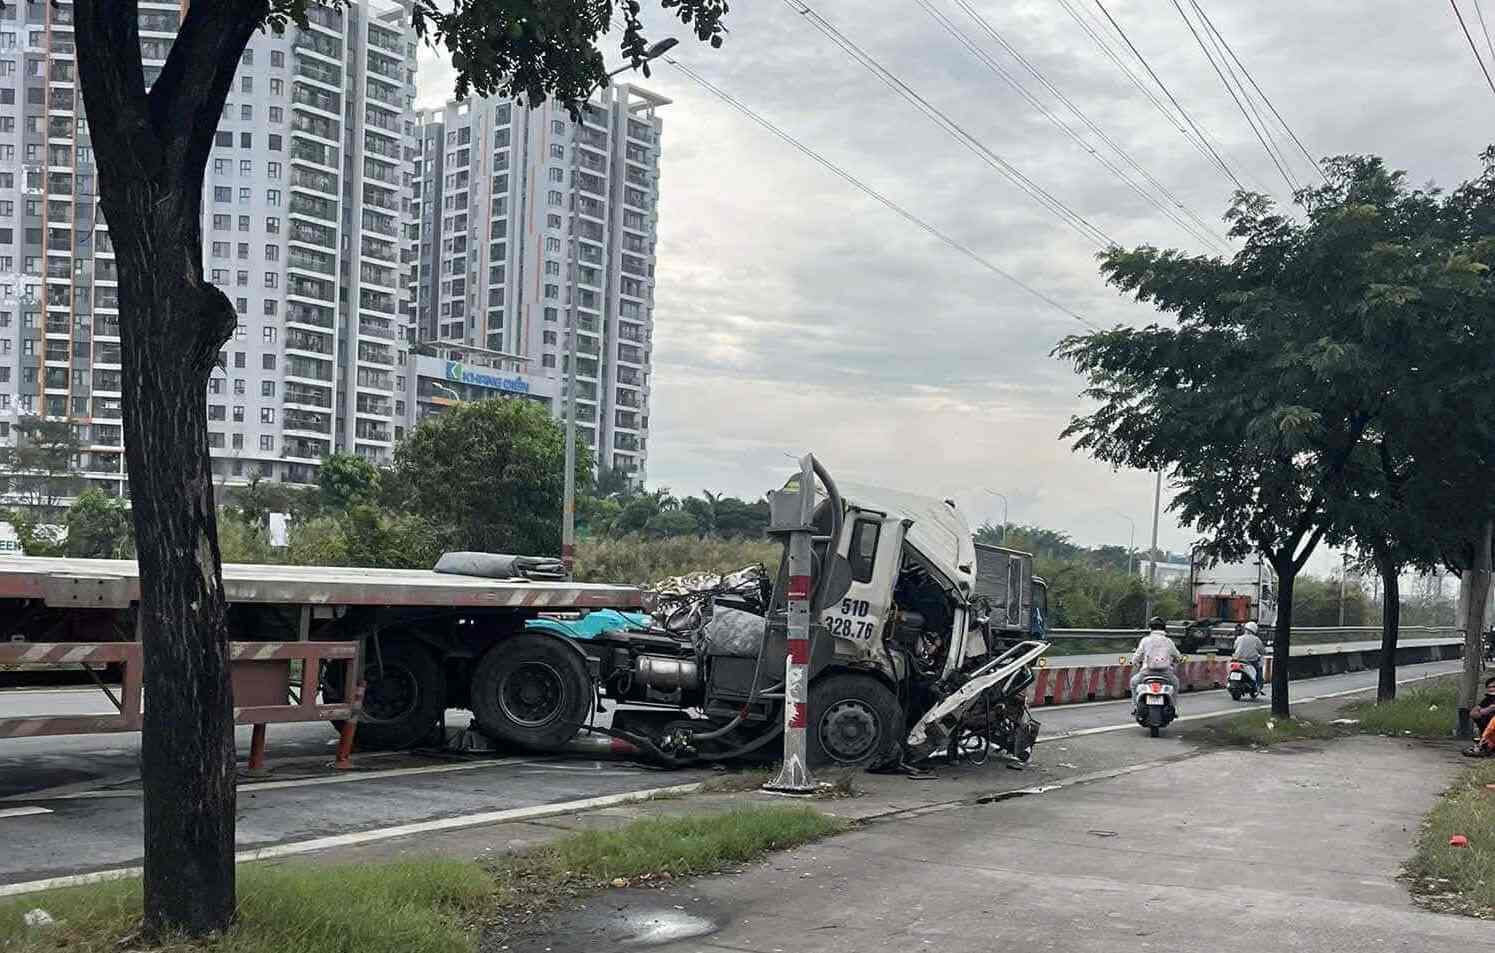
(1477, 583)
(1391, 618)
(152, 150)
(1282, 636)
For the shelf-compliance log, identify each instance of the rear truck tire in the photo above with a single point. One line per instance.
(855, 721)
(1154, 730)
(532, 691)
(403, 704)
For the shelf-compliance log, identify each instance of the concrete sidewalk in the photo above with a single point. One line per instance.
(1294, 848)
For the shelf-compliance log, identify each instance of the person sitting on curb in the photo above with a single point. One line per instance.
(1483, 716)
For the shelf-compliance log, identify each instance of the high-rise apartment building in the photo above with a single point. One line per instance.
(530, 223)
(306, 203)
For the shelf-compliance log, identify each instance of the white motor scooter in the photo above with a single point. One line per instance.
(1153, 704)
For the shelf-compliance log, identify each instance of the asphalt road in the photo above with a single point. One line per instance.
(71, 804)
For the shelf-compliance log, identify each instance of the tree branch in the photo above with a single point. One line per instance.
(112, 82)
(187, 99)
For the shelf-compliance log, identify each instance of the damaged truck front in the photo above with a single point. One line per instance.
(922, 642)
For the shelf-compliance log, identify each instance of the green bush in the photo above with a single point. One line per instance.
(635, 561)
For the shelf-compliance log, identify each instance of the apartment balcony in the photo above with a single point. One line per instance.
(318, 99)
(309, 234)
(323, 182)
(308, 368)
(308, 342)
(311, 315)
(317, 153)
(310, 124)
(307, 396)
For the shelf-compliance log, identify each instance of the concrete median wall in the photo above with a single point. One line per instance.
(1059, 684)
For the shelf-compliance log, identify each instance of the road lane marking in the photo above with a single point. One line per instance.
(373, 836)
(23, 811)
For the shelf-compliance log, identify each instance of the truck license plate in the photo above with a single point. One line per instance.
(1236, 676)
(1155, 699)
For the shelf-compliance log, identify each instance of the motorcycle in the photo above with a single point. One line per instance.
(1153, 705)
(1241, 680)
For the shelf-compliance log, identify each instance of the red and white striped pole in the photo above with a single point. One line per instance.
(794, 774)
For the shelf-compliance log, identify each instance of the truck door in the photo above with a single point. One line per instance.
(872, 543)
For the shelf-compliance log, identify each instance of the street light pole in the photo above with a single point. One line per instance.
(1152, 571)
(1003, 498)
(1131, 549)
(1344, 570)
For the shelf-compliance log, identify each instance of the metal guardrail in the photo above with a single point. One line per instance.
(1349, 633)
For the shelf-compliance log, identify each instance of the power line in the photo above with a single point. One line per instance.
(1074, 219)
(1171, 98)
(872, 193)
(1197, 229)
(1291, 185)
(1264, 98)
(1474, 49)
(1485, 30)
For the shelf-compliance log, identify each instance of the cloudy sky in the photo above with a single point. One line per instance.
(793, 312)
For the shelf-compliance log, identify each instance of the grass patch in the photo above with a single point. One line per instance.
(1459, 879)
(1260, 729)
(409, 907)
(1426, 711)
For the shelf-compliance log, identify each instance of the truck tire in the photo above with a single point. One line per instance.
(401, 705)
(855, 721)
(532, 691)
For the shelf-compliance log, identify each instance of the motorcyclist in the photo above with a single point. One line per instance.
(1156, 656)
(1248, 648)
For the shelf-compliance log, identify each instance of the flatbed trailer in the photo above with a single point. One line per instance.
(428, 641)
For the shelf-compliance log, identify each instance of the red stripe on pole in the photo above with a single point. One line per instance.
(799, 587)
(799, 651)
(798, 718)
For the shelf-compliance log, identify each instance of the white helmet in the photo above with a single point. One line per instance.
(1251, 627)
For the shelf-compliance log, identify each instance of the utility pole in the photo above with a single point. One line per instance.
(1003, 498)
(1152, 572)
(1344, 570)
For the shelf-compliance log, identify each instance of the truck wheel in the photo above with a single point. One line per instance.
(402, 702)
(531, 691)
(855, 722)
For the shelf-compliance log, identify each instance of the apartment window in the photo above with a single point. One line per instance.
(222, 193)
(272, 197)
(246, 167)
(277, 114)
(220, 166)
(217, 411)
(547, 360)
(240, 359)
(219, 276)
(243, 223)
(271, 307)
(220, 249)
(554, 198)
(245, 195)
(552, 268)
(238, 408)
(237, 442)
(267, 441)
(246, 111)
(267, 415)
(242, 282)
(272, 280)
(243, 250)
(267, 388)
(246, 84)
(556, 175)
(277, 59)
(239, 331)
(557, 127)
(273, 170)
(550, 337)
(225, 139)
(267, 362)
(552, 244)
(241, 305)
(277, 87)
(222, 223)
(274, 142)
(552, 314)
(272, 226)
(246, 139)
(553, 292)
(272, 253)
(215, 386)
(553, 220)
(33, 208)
(557, 151)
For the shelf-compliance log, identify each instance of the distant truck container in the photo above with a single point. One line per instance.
(1225, 595)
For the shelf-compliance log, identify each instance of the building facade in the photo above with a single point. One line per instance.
(306, 208)
(531, 224)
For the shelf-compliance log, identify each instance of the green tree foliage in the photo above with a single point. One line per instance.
(1283, 362)
(40, 471)
(346, 480)
(99, 527)
(490, 473)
